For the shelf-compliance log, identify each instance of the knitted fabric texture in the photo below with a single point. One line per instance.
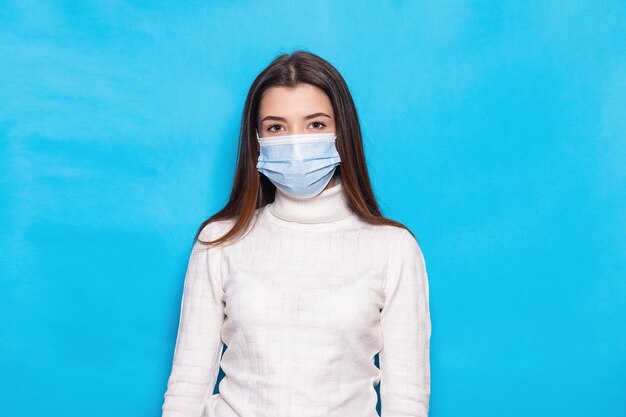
(303, 302)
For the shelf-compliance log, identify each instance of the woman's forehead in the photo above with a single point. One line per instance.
(302, 100)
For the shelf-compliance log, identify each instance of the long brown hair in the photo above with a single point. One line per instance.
(252, 190)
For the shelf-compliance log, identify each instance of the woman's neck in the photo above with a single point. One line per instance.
(328, 206)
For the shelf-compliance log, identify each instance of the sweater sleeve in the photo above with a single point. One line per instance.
(405, 325)
(198, 343)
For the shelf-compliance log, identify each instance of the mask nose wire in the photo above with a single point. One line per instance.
(257, 134)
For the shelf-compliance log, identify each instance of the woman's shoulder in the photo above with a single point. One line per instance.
(215, 229)
(390, 232)
(397, 238)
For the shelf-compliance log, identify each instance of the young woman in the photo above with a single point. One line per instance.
(299, 275)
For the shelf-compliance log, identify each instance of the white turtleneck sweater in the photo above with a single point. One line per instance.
(303, 302)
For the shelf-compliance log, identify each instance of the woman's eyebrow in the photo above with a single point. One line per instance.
(311, 116)
(282, 119)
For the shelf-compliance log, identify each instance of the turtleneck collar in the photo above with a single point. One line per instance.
(328, 206)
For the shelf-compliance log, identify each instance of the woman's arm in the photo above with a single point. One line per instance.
(405, 323)
(198, 344)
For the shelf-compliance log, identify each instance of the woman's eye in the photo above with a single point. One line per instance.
(318, 125)
(271, 128)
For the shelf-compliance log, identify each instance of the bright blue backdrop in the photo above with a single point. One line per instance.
(494, 129)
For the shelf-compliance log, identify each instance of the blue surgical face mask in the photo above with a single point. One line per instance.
(300, 165)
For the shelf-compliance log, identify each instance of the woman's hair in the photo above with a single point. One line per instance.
(252, 190)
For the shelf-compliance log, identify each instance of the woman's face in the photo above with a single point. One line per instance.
(295, 110)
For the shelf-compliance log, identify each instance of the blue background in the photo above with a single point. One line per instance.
(496, 130)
